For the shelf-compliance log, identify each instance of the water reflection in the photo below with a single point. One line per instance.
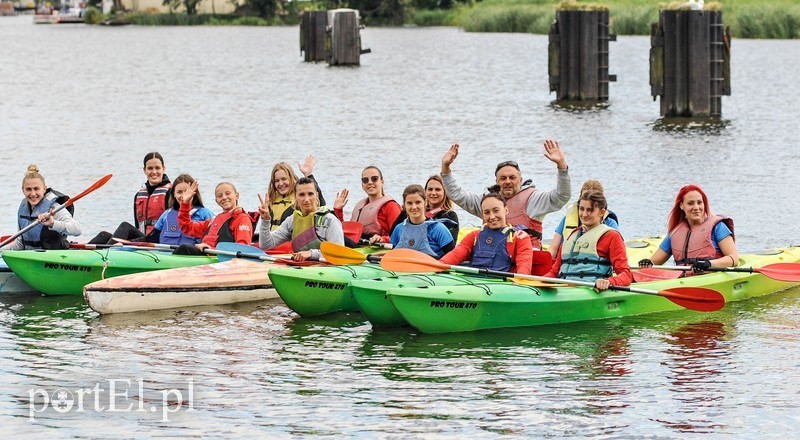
(579, 106)
(701, 125)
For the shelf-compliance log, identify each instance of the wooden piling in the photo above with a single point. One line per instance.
(578, 55)
(344, 38)
(313, 28)
(690, 63)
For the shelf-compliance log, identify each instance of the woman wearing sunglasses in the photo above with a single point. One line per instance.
(377, 212)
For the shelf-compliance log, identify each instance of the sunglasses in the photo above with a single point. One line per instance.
(373, 178)
(508, 163)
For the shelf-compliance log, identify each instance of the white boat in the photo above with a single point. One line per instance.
(10, 282)
(228, 282)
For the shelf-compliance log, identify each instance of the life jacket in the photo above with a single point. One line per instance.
(518, 217)
(689, 245)
(572, 219)
(416, 237)
(490, 250)
(304, 229)
(367, 214)
(579, 258)
(219, 231)
(40, 237)
(171, 233)
(149, 207)
(277, 209)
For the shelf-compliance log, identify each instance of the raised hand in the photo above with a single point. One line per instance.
(307, 168)
(188, 195)
(553, 152)
(449, 157)
(263, 206)
(341, 199)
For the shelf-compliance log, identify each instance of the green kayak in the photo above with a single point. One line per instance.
(316, 290)
(442, 309)
(59, 272)
(370, 294)
(300, 287)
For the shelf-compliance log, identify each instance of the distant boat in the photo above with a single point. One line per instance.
(71, 12)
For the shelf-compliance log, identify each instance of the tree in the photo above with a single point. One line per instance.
(190, 5)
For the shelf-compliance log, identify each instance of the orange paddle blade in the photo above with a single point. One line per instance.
(341, 255)
(102, 181)
(695, 298)
(409, 260)
(781, 271)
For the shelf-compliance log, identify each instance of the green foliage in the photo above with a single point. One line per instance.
(765, 21)
(534, 19)
(92, 16)
(427, 17)
(632, 20)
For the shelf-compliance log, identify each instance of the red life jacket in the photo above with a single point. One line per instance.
(220, 228)
(149, 207)
(367, 214)
(518, 217)
(689, 244)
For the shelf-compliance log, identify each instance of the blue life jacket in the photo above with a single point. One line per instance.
(416, 237)
(172, 234)
(579, 258)
(40, 237)
(490, 249)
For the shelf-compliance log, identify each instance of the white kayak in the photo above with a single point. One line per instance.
(10, 282)
(229, 282)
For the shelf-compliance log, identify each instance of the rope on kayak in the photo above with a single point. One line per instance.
(103, 272)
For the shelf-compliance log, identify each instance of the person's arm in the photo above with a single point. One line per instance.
(523, 253)
(339, 203)
(723, 236)
(135, 219)
(63, 223)
(468, 201)
(269, 239)
(15, 245)
(242, 227)
(386, 217)
(462, 251)
(612, 246)
(396, 232)
(330, 230)
(544, 202)
(558, 238)
(553, 273)
(188, 227)
(439, 234)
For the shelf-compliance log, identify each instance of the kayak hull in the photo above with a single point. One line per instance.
(444, 309)
(223, 283)
(66, 272)
(312, 291)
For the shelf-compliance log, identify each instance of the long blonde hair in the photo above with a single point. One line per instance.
(272, 192)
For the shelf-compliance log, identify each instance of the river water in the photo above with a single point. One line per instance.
(227, 103)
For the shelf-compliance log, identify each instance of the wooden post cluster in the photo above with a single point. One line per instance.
(333, 36)
(690, 63)
(578, 55)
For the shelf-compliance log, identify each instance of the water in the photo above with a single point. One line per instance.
(226, 103)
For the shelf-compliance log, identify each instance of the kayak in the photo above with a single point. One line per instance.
(59, 272)
(443, 309)
(10, 282)
(370, 294)
(311, 291)
(229, 282)
(320, 290)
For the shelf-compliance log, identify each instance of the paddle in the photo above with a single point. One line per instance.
(121, 247)
(409, 260)
(377, 244)
(777, 271)
(144, 244)
(226, 251)
(342, 255)
(69, 202)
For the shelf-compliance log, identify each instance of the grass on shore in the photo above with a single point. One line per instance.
(746, 18)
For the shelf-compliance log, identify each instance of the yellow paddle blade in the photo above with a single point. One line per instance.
(341, 255)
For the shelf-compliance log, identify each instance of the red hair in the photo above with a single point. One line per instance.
(677, 215)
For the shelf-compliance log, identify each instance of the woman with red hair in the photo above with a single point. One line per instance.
(696, 236)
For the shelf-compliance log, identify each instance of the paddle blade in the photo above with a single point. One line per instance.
(409, 260)
(241, 251)
(781, 271)
(700, 299)
(102, 181)
(651, 274)
(353, 230)
(340, 255)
